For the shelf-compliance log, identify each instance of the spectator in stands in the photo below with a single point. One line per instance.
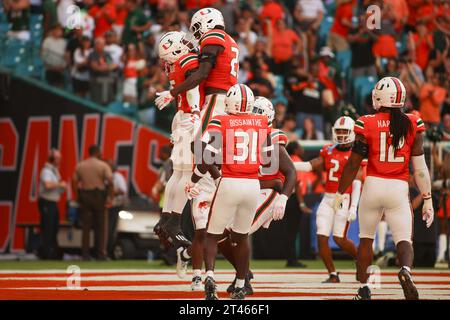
(113, 48)
(385, 44)
(120, 191)
(400, 12)
(121, 15)
(309, 131)
(432, 95)
(288, 127)
(135, 23)
(104, 14)
(307, 97)
(392, 69)
(54, 56)
(280, 114)
(337, 39)
(329, 73)
(18, 13)
(285, 45)
(308, 15)
(133, 64)
(80, 68)
(50, 14)
(271, 11)
(421, 43)
(262, 82)
(246, 38)
(102, 70)
(361, 41)
(51, 186)
(92, 187)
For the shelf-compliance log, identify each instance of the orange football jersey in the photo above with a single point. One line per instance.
(384, 161)
(242, 140)
(177, 74)
(225, 72)
(276, 136)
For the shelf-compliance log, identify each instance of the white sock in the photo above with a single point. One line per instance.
(210, 273)
(382, 231)
(442, 246)
(407, 268)
(240, 283)
(185, 254)
(333, 273)
(196, 273)
(364, 285)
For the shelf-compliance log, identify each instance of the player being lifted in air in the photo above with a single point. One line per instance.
(235, 141)
(179, 63)
(217, 72)
(390, 139)
(332, 159)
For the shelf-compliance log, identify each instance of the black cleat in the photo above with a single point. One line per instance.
(363, 294)
(174, 234)
(247, 286)
(210, 289)
(408, 286)
(238, 294)
(333, 279)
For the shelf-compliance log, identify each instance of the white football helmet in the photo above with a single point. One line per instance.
(347, 136)
(172, 46)
(264, 106)
(204, 20)
(239, 99)
(389, 92)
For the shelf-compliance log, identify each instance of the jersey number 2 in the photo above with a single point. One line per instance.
(333, 170)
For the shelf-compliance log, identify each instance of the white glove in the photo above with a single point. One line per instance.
(279, 207)
(338, 200)
(352, 214)
(428, 212)
(192, 190)
(163, 100)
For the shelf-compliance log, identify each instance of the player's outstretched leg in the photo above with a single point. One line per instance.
(405, 254)
(327, 258)
(365, 256)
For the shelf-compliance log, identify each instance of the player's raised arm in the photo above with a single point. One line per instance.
(422, 178)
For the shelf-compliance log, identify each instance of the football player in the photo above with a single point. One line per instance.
(276, 182)
(217, 72)
(237, 141)
(391, 140)
(332, 159)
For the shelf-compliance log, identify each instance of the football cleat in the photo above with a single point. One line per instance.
(363, 294)
(333, 279)
(408, 286)
(196, 284)
(238, 294)
(182, 263)
(247, 286)
(210, 289)
(174, 234)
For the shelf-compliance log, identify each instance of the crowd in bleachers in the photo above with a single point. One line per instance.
(314, 59)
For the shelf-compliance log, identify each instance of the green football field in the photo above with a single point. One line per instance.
(154, 265)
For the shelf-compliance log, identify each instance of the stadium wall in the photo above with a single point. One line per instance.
(35, 117)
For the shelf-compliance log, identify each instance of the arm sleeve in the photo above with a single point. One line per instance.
(193, 98)
(422, 176)
(356, 193)
(214, 37)
(360, 127)
(304, 166)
